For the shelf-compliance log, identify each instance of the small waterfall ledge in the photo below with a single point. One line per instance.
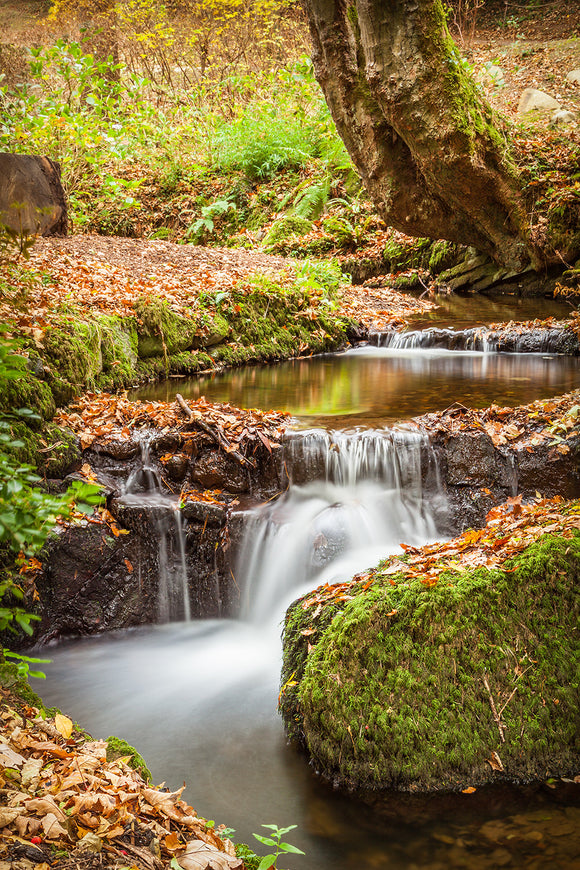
(508, 338)
(331, 499)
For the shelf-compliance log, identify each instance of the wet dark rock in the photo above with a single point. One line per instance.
(92, 581)
(176, 468)
(472, 460)
(168, 442)
(119, 450)
(204, 512)
(214, 470)
(547, 470)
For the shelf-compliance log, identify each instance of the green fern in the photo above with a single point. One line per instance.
(310, 202)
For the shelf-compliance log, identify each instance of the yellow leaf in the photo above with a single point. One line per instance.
(63, 725)
(469, 790)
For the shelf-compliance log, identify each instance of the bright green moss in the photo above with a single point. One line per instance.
(394, 692)
(118, 748)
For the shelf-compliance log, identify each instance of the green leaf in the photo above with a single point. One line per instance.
(287, 847)
(266, 862)
(266, 841)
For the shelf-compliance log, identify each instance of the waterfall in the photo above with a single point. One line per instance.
(480, 339)
(143, 494)
(352, 500)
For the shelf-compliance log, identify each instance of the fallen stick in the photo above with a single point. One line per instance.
(496, 716)
(217, 436)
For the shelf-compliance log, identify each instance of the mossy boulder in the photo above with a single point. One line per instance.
(161, 330)
(397, 688)
(73, 351)
(284, 228)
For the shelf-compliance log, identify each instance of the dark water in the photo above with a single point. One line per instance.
(463, 312)
(370, 386)
(198, 702)
(199, 699)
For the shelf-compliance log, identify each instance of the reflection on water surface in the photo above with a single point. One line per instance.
(370, 386)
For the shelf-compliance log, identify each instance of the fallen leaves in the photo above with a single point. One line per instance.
(65, 793)
(526, 426)
(510, 528)
(115, 417)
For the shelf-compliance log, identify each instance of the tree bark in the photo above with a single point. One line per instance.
(424, 141)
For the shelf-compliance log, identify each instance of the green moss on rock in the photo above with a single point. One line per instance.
(118, 748)
(53, 450)
(28, 391)
(284, 228)
(161, 331)
(74, 351)
(394, 693)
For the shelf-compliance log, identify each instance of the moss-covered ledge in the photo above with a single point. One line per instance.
(393, 683)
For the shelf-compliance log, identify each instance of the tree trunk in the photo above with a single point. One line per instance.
(422, 138)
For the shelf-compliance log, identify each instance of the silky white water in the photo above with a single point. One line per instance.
(199, 699)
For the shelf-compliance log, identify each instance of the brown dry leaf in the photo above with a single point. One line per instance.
(46, 805)
(7, 816)
(495, 762)
(53, 830)
(201, 856)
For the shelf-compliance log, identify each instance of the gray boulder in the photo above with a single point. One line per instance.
(533, 100)
(562, 116)
(573, 77)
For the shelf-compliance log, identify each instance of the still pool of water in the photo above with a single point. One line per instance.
(370, 386)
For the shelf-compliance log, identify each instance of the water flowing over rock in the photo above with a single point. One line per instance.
(482, 339)
(352, 499)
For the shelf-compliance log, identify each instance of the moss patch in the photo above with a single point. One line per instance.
(28, 391)
(117, 748)
(74, 351)
(394, 692)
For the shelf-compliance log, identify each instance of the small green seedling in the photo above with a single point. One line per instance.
(275, 842)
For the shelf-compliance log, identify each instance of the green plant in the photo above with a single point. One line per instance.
(205, 224)
(275, 842)
(27, 513)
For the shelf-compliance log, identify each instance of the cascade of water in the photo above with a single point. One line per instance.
(476, 339)
(354, 499)
(143, 492)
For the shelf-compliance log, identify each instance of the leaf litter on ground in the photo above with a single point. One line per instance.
(60, 796)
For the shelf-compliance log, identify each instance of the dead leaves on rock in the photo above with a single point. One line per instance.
(510, 528)
(549, 421)
(115, 417)
(63, 793)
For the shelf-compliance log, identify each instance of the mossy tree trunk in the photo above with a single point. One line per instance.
(428, 149)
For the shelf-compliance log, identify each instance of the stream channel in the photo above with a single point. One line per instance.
(198, 698)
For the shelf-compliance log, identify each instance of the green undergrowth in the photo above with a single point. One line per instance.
(393, 692)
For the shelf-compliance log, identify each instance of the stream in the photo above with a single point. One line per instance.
(198, 698)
